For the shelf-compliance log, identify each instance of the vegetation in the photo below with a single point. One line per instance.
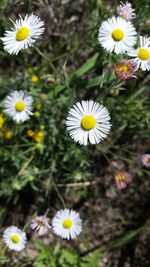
(47, 171)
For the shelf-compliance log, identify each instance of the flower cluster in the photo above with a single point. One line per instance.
(37, 135)
(66, 223)
(119, 35)
(87, 121)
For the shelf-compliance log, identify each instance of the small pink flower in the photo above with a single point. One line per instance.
(145, 159)
(41, 225)
(125, 69)
(121, 180)
(126, 11)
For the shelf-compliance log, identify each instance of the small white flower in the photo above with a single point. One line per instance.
(15, 238)
(117, 34)
(18, 106)
(41, 225)
(23, 33)
(126, 11)
(88, 121)
(142, 54)
(67, 224)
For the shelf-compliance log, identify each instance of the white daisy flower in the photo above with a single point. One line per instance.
(117, 34)
(23, 33)
(142, 54)
(41, 225)
(15, 238)
(18, 106)
(67, 224)
(88, 121)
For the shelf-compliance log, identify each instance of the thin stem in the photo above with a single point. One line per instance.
(20, 145)
(26, 6)
(48, 60)
(57, 74)
(81, 184)
(25, 165)
(59, 195)
(29, 222)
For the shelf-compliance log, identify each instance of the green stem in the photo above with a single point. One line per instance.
(59, 195)
(47, 59)
(29, 222)
(26, 6)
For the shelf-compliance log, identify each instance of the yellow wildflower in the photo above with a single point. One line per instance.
(8, 134)
(34, 79)
(1, 121)
(30, 133)
(38, 136)
(38, 106)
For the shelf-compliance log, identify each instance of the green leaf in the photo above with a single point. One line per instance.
(93, 260)
(87, 66)
(97, 81)
(127, 238)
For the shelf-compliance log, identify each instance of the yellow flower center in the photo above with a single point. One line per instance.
(40, 223)
(124, 68)
(22, 34)
(148, 160)
(34, 79)
(88, 122)
(67, 223)
(15, 238)
(20, 106)
(143, 54)
(117, 35)
(120, 177)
